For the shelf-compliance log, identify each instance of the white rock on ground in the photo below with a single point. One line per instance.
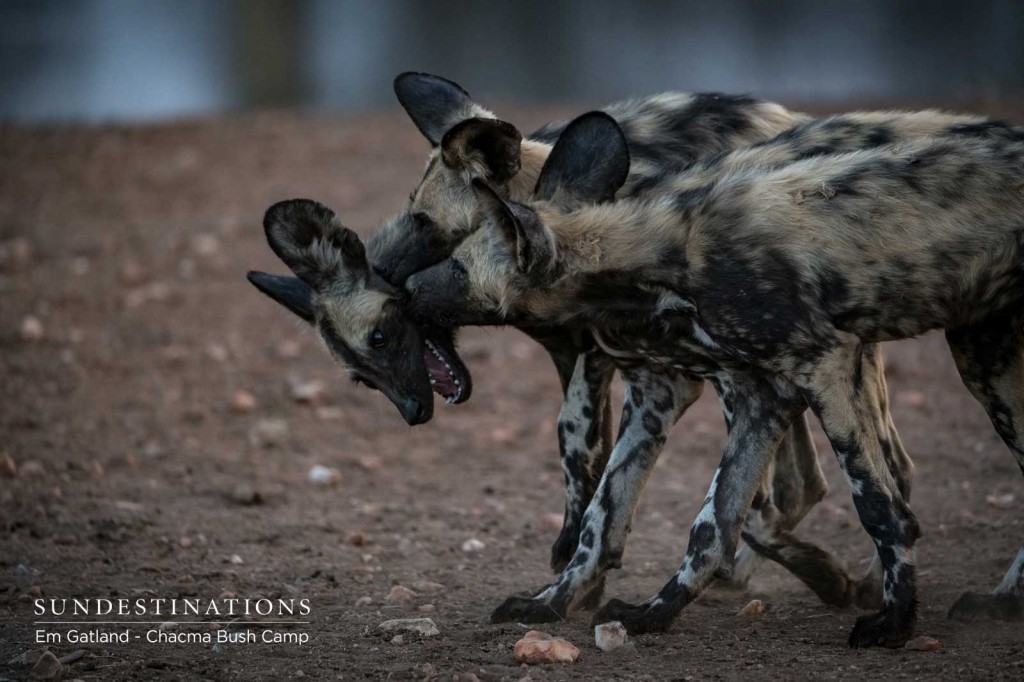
(308, 391)
(269, 433)
(420, 626)
(31, 328)
(324, 476)
(472, 545)
(610, 636)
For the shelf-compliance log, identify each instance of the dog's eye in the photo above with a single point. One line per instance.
(378, 339)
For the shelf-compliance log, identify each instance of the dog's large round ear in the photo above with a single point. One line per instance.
(291, 292)
(311, 240)
(589, 162)
(486, 147)
(434, 104)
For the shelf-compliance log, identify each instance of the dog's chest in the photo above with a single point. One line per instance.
(672, 341)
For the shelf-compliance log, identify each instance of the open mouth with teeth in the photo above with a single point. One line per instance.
(449, 377)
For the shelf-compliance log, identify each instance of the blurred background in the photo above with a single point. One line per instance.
(96, 60)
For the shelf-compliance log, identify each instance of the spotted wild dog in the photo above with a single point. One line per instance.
(797, 483)
(357, 313)
(772, 279)
(666, 132)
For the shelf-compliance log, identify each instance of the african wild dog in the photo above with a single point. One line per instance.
(769, 530)
(773, 279)
(666, 132)
(357, 313)
(677, 126)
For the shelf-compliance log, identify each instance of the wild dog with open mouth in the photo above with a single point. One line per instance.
(357, 313)
(666, 132)
(774, 279)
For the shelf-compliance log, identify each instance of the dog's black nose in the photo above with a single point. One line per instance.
(414, 412)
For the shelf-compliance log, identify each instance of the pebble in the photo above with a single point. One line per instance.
(426, 608)
(1004, 501)
(17, 252)
(289, 349)
(205, 244)
(154, 291)
(236, 559)
(400, 593)
(245, 494)
(243, 401)
(398, 639)
(421, 626)
(47, 668)
(502, 434)
(8, 468)
(427, 586)
(31, 328)
(370, 463)
(217, 352)
(551, 521)
(610, 636)
(32, 469)
(753, 609)
(540, 647)
(356, 539)
(324, 476)
(330, 413)
(269, 433)
(364, 601)
(307, 392)
(924, 644)
(472, 546)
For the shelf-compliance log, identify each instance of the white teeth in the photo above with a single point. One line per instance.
(456, 382)
(432, 382)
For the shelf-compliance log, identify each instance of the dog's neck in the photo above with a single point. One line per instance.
(609, 257)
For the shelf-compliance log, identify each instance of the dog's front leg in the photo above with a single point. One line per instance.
(583, 444)
(764, 409)
(654, 402)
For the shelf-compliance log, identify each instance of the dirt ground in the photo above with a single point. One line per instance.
(137, 476)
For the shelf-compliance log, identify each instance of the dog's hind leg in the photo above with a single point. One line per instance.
(990, 358)
(869, 588)
(795, 483)
(832, 379)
